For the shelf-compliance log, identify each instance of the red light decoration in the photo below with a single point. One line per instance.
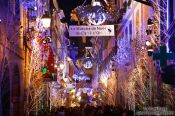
(49, 71)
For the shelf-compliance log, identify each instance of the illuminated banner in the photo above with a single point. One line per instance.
(102, 30)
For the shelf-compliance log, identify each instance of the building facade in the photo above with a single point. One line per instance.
(125, 49)
(12, 59)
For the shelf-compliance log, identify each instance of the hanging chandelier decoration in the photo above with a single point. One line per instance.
(88, 60)
(88, 64)
(94, 14)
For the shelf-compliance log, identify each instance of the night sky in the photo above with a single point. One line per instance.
(69, 5)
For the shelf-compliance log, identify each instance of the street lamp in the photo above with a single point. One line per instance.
(150, 48)
(148, 43)
(46, 19)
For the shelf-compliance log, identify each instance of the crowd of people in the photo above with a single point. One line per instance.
(93, 111)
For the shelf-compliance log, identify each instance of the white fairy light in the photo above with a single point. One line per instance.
(62, 66)
(55, 66)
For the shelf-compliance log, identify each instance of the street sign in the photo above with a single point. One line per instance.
(102, 30)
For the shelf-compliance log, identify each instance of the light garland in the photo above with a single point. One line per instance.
(104, 78)
(36, 61)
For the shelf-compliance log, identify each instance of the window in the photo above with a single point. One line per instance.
(137, 19)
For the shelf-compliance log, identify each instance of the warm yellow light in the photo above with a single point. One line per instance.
(104, 80)
(148, 43)
(73, 90)
(79, 98)
(46, 22)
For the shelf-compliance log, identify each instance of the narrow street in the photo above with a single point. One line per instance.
(87, 57)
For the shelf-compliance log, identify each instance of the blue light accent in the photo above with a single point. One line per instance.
(73, 53)
(31, 4)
